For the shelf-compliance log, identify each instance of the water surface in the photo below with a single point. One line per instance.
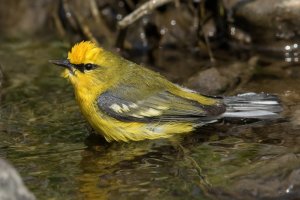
(45, 137)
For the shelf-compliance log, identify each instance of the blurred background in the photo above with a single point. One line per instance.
(216, 47)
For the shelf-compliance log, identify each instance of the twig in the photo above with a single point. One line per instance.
(85, 28)
(77, 21)
(54, 12)
(100, 22)
(69, 14)
(203, 180)
(130, 4)
(144, 9)
(208, 47)
(202, 20)
(121, 38)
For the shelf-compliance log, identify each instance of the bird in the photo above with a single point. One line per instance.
(124, 101)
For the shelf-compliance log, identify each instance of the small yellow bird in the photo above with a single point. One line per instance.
(124, 101)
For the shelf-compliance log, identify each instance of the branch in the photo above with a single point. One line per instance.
(144, 9)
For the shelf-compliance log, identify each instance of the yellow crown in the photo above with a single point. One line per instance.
(82, 52)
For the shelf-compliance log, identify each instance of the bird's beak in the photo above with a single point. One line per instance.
(63, 63)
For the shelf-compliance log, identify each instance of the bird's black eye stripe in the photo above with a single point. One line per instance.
(89, 66)
(80, 67)
(85, 67)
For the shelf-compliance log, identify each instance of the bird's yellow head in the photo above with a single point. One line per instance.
(83, 53)
(86, 65)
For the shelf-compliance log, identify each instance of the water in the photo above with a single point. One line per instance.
(45, 137)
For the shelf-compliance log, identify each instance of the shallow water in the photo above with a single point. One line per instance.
(44, 136)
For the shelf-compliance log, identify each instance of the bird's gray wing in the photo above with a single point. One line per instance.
(131, 104)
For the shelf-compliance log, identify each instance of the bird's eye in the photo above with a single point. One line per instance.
(89, 66)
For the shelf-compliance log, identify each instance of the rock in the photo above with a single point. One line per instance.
(209, 81)
(265, 20)
(273, 27)
(11, 184)
(216, 80)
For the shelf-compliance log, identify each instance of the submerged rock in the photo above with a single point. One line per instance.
(271, 178)
(11, 184)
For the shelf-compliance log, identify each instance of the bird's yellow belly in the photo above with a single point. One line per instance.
(113, 129)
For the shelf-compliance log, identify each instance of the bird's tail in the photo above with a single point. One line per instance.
(252, 105)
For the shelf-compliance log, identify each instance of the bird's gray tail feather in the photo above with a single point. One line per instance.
(252, 105)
